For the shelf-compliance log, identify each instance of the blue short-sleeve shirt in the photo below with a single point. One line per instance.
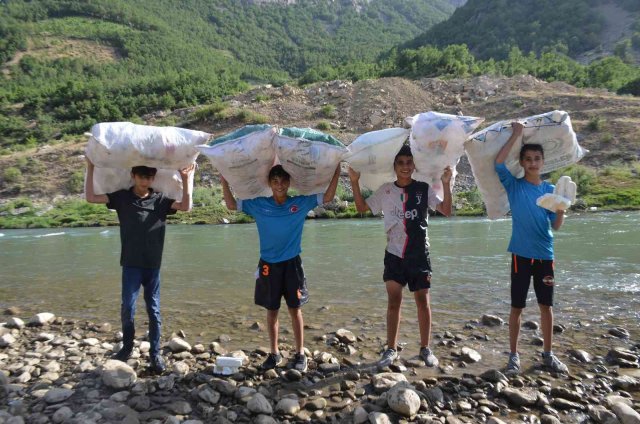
(531, 235)
(280, 226)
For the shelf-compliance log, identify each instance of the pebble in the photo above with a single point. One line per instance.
(67, 376)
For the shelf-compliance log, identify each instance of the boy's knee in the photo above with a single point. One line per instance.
(394, 305)
(544, 308)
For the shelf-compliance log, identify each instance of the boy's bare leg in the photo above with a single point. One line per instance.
(514, 328)
(394, 302)
(272, 328)
(424, 315)
(546, 322)
(297, 322)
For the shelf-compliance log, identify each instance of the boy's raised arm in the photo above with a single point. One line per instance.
(185, 203)
(333, 185)
(445, 206)
(229, 200)
(89, 193)
(361, 205)
(517, 128)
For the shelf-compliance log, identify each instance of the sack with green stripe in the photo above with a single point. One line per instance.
(310, 157)
(244, 157)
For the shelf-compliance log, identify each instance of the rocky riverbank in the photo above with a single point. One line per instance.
(56, 370)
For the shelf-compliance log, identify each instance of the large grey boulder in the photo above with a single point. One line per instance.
(625, 413)
(386, 380)
(117, 375)
(403, 400)
(57, 395)
(259, 404)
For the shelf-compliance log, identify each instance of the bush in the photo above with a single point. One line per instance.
(203, 196)
(595, 124)
(328, 111)
(208, 111)
(251, 117)
(12, 175)
(260, 98)
(606, 138)
(323, 126)
(75, 184)
(343, 193)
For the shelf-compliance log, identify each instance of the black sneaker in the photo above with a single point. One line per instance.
(122, 355)
(272, 361)
(157, 364)
(300, 362)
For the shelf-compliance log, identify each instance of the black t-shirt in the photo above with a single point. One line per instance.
(142, 226)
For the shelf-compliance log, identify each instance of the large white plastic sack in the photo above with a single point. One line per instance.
(124, 145)
(109, 180)
(115, 147)
(310, 157)
(437, 141)
(372, 155)
(552, 130)
(244, 158)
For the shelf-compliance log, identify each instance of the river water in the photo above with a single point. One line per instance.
(207, 275)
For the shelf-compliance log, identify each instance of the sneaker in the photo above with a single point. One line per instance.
(157, 364)
(272, 361)
(513, 366)
(428, 357)
(387, 358)
(300, 362)
(552, 362)
(123, 355)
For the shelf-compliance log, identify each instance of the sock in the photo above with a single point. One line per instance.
(546, 354)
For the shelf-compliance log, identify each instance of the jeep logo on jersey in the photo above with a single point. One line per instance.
(294, 208)
(412, 214)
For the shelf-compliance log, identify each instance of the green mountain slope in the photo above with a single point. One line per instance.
(68, 64)
(490, 28)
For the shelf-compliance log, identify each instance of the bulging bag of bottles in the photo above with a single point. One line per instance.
(310, 157)
(116, 147)
(244, 158)
(437, 141)
(552, 130)
(372, 155)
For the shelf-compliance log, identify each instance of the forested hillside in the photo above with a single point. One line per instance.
(490, 28)
(69, 64)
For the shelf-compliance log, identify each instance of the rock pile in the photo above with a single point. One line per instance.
(55, 370)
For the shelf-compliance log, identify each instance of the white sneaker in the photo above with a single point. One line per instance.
(428, 357)
(387, 358)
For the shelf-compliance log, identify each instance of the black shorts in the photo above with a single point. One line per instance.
(414, 272)
(274, 280)
(522, 269)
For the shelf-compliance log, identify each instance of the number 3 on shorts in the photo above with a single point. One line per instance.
(265, 270)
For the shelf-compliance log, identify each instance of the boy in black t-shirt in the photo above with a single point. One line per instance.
(142, 213)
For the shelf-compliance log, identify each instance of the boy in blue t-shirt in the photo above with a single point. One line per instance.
(531, 246)
(280, 220)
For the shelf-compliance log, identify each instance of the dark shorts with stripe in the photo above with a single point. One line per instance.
(275, 280)
(416, 273)
(522, 269)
